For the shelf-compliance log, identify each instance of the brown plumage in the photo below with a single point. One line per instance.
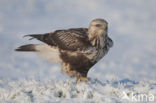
(77, 49)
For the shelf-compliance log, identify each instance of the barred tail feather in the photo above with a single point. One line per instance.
(28, 48)
(43, 50)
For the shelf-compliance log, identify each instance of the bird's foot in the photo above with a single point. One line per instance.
(84, 79)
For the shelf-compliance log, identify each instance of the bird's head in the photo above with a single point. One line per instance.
(98, 27)
(97, 31)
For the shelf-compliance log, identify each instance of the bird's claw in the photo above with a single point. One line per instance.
(84, 79)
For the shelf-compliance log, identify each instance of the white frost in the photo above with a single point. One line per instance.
(69, 91)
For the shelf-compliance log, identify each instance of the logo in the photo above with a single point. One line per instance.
(137, 97)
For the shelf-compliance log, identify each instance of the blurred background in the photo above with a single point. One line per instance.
(132, 26)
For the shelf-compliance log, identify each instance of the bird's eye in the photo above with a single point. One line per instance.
(98, 25)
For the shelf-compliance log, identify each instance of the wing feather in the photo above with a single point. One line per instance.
(72, 39)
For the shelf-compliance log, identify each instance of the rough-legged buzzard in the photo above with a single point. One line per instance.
(77, 49)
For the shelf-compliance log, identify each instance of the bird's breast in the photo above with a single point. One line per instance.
(100, 53)
(96, 54)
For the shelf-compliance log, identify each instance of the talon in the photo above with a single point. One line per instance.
(84, 79)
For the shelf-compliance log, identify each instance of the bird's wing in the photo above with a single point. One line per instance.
(74, 39)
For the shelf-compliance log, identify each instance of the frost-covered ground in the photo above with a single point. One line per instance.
(132, 26)
(95, 91)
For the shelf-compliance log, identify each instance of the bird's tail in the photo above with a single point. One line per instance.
(43, 50)
(28, 48)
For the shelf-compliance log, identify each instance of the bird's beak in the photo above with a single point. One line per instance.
(104, 27)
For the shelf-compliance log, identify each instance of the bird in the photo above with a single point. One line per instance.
(76, 49)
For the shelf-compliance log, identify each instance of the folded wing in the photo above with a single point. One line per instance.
(75, 39)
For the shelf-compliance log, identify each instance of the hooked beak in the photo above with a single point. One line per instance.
(105, 27)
